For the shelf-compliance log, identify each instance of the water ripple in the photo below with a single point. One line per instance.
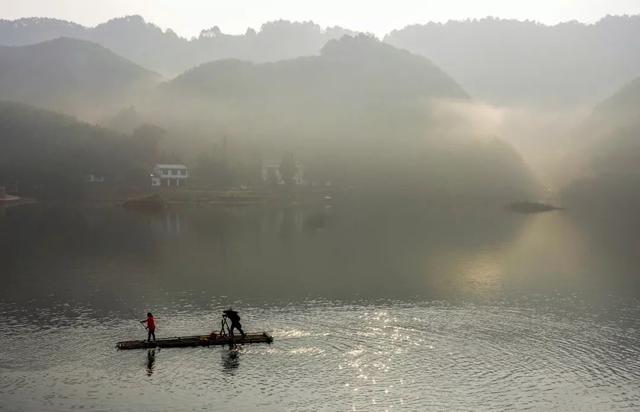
(330, 356)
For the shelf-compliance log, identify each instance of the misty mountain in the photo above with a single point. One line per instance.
(166, 52)
(611, 135)
(499, 61)
(33, 30)
(72, 76)
(523, 62)
(352, 68)
(624, 105)
(607, 152)
(615, 128)
(353, 83)
(48, 154)
(362, 111)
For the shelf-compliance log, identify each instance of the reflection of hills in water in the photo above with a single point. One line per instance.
(268, 254)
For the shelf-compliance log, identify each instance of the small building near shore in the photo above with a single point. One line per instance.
(169, 175)
(94, 178)
(271, 173)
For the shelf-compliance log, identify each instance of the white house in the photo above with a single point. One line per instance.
(169, 175)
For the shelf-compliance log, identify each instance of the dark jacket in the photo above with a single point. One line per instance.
(232, 315)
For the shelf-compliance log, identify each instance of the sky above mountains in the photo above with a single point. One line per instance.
(188, 17)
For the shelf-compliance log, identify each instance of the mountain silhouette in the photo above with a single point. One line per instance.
(71, 75)
(165, 52)
(528, 63)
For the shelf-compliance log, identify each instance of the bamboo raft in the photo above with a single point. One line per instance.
(197, 340)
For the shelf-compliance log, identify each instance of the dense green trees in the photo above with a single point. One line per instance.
(47, 154)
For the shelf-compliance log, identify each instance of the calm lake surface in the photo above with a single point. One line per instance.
(438, 309)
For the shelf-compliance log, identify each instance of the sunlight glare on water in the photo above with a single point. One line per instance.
(464, 310)
(327, 355)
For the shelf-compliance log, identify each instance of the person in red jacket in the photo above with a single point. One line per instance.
(151, 326)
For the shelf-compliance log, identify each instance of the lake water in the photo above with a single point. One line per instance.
(373, 310)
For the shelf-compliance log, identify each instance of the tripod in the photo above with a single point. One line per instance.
(224, 327)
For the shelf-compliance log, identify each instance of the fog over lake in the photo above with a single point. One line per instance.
(305, 217)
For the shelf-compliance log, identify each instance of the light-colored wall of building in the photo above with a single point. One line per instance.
(172, 172)
(169, 175)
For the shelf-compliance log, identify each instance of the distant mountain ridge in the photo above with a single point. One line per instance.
(346, 84)
(31, 30)
(495, 60)
(167, 53)
(358, 66)
(523, 62)
(71, 75)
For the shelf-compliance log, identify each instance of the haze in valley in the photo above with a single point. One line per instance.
(426, 204)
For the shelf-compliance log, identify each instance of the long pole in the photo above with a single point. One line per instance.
(131, 311)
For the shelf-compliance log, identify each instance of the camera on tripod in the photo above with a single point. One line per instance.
(224, 326)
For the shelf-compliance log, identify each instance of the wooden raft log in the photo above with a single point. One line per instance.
(196, 340)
